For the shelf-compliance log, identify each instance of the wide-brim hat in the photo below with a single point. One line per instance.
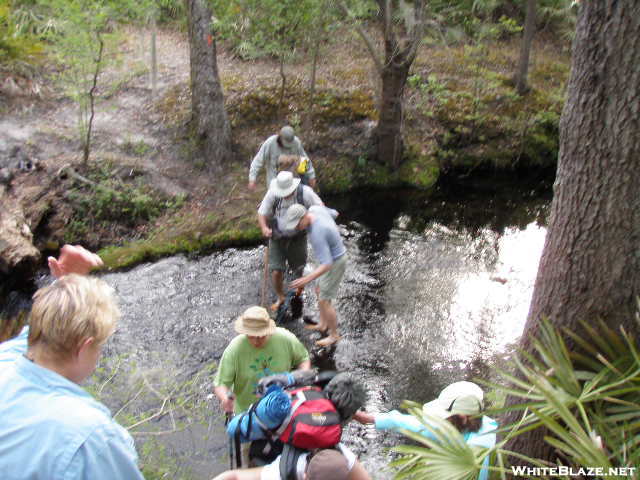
(284, 184)
(287, 136)
(293, 215)
(460, 398)
(255, 321)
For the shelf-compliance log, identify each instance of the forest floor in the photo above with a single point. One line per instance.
(141, 138)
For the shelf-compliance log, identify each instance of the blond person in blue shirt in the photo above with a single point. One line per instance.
(50, 428)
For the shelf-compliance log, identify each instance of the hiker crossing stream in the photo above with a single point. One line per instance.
(436, 290)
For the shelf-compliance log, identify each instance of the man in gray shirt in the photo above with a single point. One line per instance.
(286, 246)
(284, 143)
(329, 251)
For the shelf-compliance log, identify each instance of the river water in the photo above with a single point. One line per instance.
(436, 290)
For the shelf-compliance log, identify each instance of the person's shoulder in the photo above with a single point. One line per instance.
(284, 334)
(236, 342)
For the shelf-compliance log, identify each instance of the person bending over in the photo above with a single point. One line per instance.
(460, 403)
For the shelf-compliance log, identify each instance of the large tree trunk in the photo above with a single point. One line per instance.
(388, 132)
(525, 48)
(401, 41)
(590, 266)
(209, 117)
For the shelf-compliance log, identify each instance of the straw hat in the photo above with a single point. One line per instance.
(255, 321)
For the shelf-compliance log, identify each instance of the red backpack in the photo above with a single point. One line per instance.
(313, 421)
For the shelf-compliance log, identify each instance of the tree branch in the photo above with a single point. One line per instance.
(365, 38)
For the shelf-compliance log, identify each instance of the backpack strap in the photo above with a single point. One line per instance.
(300, 194)
(289, 462)
(299, 399)
(236, 442)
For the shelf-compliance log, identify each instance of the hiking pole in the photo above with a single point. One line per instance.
(265, 276)
(228, 416)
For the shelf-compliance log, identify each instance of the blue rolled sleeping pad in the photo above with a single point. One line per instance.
(271, 410)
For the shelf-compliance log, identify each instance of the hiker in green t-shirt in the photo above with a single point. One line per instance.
(260, 350)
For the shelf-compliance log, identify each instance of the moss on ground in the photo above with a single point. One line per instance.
(461, 111)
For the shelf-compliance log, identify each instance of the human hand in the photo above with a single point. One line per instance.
(228, 403)
(364, 417)
(73, 259)
(266, 232)
(299, 283)
(251, 186)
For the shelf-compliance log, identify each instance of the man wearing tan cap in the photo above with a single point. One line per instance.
(260, 349)
(284, 143)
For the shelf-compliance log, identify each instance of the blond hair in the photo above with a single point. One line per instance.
(288, 162)
(70, 310)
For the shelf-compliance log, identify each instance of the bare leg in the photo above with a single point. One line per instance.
(277, 277)
(329, 320)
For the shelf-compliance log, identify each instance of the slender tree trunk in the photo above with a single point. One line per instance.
(525, 48)
(92, 101)
(283, 82)
(209, 117)
(590, 266)
(154, 56)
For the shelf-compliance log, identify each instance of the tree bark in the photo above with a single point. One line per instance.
(210, 121)
(521, 78)
(590, 266)
(388, 133)
(399, 56)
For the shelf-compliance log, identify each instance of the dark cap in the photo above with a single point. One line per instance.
(328, 465)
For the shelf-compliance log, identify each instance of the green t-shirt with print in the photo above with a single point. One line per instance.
(242, 365)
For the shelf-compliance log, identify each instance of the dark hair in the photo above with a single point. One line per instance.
(465, 423)
(347, 394)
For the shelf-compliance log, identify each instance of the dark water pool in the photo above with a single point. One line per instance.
(437, 287)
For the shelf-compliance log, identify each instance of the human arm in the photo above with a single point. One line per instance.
(304, 365)
(364, 417)
(257, 163)
(225, 379)
(358, 472)
(264, 226)
(226, 398)
(394, 420)
(319, 271)
(73, 259)
(108, 452)
(247, 474)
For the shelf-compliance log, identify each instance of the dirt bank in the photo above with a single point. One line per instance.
(144, 193)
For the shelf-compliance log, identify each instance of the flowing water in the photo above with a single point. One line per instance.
(437, 288)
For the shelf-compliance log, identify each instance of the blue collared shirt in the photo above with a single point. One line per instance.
(51, 429)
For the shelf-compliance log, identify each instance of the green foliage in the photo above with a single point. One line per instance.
(109, 200)
(15, 42)
(154, 404)
(270, 27)
(588, 400)
(453, 20)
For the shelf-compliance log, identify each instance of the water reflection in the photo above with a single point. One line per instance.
(434, 289)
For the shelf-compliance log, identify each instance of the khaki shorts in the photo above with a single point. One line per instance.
(329, 282)
(291, 251)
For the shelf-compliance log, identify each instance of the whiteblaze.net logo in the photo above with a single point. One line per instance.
(563, 471)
